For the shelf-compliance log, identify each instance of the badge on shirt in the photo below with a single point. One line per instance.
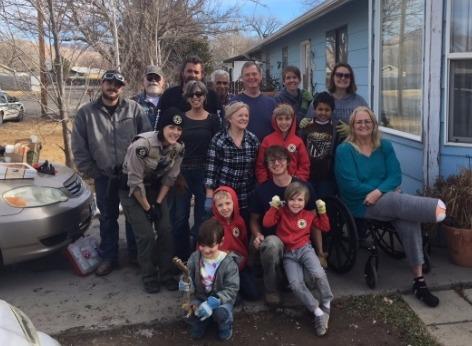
(236, 232)
(292, 148)
(301, 223)
(142, 152)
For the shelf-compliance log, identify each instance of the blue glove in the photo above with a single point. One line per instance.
(185, 286)
(206, 308)
(208, 204)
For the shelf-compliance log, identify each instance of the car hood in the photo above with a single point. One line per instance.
(63, 174)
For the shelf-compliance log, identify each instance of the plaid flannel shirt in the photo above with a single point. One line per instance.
(232, 166)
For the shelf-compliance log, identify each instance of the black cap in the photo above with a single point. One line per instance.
(114, 75)
(171, 116)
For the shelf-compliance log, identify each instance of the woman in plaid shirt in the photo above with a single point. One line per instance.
(232, 156)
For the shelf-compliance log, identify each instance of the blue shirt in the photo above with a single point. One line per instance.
(358, 174)
(260, 113)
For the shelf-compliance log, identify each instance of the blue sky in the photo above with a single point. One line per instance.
(284, 10)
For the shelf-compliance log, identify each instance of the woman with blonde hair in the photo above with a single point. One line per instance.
(232, 156)
(368, 174)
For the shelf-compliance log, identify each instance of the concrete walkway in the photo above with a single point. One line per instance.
(57, 300)
(451, 322)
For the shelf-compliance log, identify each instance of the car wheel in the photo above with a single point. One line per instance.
(21, 114)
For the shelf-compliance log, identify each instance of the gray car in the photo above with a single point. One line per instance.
(42, 215)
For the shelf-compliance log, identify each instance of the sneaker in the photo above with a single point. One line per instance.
(105, 267)
(272, 298)
(321, 324)
(171, 284)
(421, 292)
(226, 333)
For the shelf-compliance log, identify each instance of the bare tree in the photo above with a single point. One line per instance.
(263, 26)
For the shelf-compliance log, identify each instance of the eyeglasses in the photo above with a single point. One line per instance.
(196, 93)
(153, 77)
(343, 75)
(109, 76)
(363, 122)
(279, 160)
(221, 82)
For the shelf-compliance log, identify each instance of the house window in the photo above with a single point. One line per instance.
(305, 65)
(401, 65)
(460, 72)
(284, 57)
(336, 49)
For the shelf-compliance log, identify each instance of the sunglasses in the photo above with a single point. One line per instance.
(196, 93)
(343, 75)
(114, 76)
(153, 77)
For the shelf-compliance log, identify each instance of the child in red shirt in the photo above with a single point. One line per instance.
(226, 212)
(294, 226)
(285, 125)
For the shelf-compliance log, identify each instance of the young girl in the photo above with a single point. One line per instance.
(294, 225)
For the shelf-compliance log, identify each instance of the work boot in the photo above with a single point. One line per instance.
(151, 285)
(171, 284)
(105, 267)
(421, 291)
(272, 298)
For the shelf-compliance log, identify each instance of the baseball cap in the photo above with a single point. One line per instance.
(153, 69)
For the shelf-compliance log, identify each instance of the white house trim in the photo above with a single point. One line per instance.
(432, 90)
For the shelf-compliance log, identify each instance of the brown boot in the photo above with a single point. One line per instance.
(272, 298)
(105, 268)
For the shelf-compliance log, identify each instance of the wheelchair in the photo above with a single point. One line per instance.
(342, 242)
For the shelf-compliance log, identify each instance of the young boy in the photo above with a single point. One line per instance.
(226, 211)
(321, 138)
(284, 124)
(215, 282)
(294, 225)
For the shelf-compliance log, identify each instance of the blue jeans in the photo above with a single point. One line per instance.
(184, 237)
(108, 202)
(222, 315)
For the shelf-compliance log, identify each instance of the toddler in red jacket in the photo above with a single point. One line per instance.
(226, 212)
(294, 226)
(285, 126)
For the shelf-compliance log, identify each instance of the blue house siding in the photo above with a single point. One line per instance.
(357, 41)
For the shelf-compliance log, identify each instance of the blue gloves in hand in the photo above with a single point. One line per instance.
(208, 204)
(185, 286)
(206, 308)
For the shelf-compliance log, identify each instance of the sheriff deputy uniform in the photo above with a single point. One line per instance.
(148, 166)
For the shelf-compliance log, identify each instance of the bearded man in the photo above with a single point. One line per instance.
(102, 131)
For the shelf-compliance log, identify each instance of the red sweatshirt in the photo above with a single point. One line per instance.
(299, 158)
(235, 236)
(294, 229)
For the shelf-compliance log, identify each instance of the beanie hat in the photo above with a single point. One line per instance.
(171, 116)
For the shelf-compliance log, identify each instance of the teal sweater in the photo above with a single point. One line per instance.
(357, 174)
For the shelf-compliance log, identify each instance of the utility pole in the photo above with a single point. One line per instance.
(43, 74)
(115, 35)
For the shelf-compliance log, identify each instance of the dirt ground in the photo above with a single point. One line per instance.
(49, 133)
(369, 320)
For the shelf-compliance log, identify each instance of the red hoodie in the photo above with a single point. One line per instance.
(299, 158)
(294, 229)
(235, 236)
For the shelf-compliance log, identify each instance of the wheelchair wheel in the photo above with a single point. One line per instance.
(387, 239)
(370, 271)
(341, 242)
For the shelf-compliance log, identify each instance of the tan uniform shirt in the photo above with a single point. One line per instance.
(147, 161)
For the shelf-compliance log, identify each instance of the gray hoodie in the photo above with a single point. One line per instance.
(99, 140)
(226, 284)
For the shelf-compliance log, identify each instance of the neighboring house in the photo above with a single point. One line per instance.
(413, 63)
(13, 80)
(79, 75)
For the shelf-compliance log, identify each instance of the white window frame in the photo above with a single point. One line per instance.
(447, 58)
(377, 76)
(306, 64)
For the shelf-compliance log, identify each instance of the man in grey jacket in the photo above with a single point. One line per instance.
(103, 130)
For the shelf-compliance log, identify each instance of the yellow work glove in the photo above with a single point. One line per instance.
(305, 122)
(275, 202)
(321, 206)
(343, 129)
